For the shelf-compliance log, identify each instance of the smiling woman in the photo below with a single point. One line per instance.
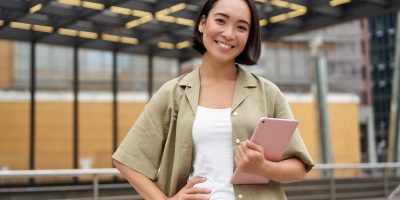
(194, 131)
(245, 26)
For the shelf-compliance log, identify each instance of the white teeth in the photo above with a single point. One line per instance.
(224, 45)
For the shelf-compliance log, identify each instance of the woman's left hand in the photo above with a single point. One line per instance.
(249, 157)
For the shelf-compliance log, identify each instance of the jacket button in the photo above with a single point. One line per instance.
(240, 196)
(237, 141)
(235, 113)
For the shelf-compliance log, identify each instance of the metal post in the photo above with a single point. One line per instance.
(115, 103)
(150, 75)
(76, 109)
(394, 135)
(332, 184)
(320, 89)
(320, 93)
(385, 183)
(372, 158)
(33, 107)
(95, 187)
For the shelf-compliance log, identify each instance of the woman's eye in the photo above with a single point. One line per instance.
(242, 28)
(219, 21)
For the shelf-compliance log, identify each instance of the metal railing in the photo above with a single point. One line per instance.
(383, 169)
(366, 171)
(95, 173)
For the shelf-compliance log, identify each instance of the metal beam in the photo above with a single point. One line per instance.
(372, 158)
(86, 15)
(327, 10)
(394, 131)
(377, 2)
(150, 75)
(115, 100)
(320, 91)
(32, 139)
(75, 148)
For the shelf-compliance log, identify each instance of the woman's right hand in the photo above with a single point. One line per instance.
(191, 192)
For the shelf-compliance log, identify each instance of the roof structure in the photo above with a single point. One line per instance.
(161, 27)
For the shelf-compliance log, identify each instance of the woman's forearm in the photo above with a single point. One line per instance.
(250, 158)
(143, 185)
(286, 171)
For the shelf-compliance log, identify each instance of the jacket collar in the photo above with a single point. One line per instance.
(191, 82)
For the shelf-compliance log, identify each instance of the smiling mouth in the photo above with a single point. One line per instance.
(223, 45)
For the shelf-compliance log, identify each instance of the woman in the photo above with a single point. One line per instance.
(194, 131)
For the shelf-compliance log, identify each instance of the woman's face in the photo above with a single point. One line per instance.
(226, 29)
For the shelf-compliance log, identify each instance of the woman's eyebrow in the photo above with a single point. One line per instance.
(227, 16)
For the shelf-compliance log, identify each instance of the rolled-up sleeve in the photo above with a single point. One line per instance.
(296, 147)
(142, 147)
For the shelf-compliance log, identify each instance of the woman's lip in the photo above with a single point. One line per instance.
(224, 45)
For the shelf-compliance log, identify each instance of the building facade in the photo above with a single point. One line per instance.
(382, 31)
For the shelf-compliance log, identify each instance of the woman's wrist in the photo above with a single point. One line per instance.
(266, 168)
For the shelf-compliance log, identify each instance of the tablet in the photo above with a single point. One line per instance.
(273, 135)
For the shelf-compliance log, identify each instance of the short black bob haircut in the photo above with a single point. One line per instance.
(251, 53)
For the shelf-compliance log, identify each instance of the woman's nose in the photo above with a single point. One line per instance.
(228, 33)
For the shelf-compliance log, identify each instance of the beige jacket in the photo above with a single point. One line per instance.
(159, 145)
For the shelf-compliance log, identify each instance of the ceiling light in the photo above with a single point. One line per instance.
(171, 9)
(294, 6)
(138, 22)
(139, 13)
(279, 18)
(146, 18)
(120, 10)
(183, 21)
(70, 2)
(87, 34)
(132, 24)
(338, 2)
(165, 18)
(263, 22)
(1, 22)
(280, 3)
(68, 32)
(35, 8)
(110, 38)
(182, 45)
(129, 40)
(166, 45)
(176, 8)
(40, 28)
(20, 25)
(297, 13)
(297, 10)
(92, 5)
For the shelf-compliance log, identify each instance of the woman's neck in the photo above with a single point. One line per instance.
(212, 69)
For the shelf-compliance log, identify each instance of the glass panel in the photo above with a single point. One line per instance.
(164, 69)
(54, 148)
(14, 107)
(95, 108)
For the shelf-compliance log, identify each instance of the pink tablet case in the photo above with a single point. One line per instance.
(273, 135)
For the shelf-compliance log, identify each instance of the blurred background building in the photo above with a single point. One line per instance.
(382, 34)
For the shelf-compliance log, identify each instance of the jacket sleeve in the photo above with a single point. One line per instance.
(296, 147)
(142, 147)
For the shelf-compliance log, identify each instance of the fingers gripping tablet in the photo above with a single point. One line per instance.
(273, 135)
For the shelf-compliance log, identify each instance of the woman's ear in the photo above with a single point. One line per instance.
(202, 23)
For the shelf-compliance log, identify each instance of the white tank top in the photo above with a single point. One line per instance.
(212, 151)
